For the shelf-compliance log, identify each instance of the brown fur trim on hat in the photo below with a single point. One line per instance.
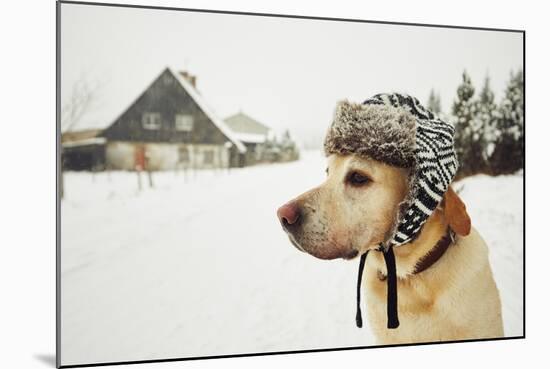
(381, 132)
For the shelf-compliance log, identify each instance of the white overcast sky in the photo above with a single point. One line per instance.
(287, 73)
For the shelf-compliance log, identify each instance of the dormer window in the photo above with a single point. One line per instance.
(184, 122)
(151, 120)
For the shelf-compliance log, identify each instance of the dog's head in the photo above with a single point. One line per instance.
(390, 162)
(356, 208)
(352, 211)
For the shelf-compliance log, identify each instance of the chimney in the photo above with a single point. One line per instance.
(189, 78)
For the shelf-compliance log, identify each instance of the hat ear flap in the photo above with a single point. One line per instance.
(455, 213)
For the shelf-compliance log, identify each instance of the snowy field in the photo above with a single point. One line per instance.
(199, 266)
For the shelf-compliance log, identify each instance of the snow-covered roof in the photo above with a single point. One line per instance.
(206, 109)
(85, 142)
(242, 123)
(251, 137)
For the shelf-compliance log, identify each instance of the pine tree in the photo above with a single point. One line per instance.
(288, 147)
(285, 139)
(484, 122)
(434, 102)
(463, 111)
(509, 148)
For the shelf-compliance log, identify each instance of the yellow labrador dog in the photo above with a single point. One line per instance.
(453, 297)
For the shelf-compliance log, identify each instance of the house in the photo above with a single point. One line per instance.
(169, 126)
(254, 135)
(262, 146)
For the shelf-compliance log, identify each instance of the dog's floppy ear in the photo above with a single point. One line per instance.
(455, 213)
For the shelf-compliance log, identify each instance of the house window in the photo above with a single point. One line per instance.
(183, 154)
(208, 157)
(184, 122)
(151, 120)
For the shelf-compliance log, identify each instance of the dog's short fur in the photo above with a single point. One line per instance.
(454, 299)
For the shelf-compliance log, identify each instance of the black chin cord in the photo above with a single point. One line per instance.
(389, 258)
(358, 318)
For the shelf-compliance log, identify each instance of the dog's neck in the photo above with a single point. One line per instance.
(407, 256)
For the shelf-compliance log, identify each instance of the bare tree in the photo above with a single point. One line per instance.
(82, 98)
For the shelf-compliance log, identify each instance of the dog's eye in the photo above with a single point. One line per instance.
(358, 179)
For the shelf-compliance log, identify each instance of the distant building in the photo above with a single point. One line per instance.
(253, 134)
(168, 126)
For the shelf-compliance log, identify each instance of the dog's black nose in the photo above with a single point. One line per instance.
(289, 214)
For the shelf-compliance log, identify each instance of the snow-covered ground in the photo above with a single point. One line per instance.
(199, 266)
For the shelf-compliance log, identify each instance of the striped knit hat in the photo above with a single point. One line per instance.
(396, 129)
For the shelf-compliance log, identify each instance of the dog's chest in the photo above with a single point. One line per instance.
(414, 294)
(416, 303)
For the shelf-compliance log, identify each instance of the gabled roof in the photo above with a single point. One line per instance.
(207, 111)
(242, 123)
(247, 129)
